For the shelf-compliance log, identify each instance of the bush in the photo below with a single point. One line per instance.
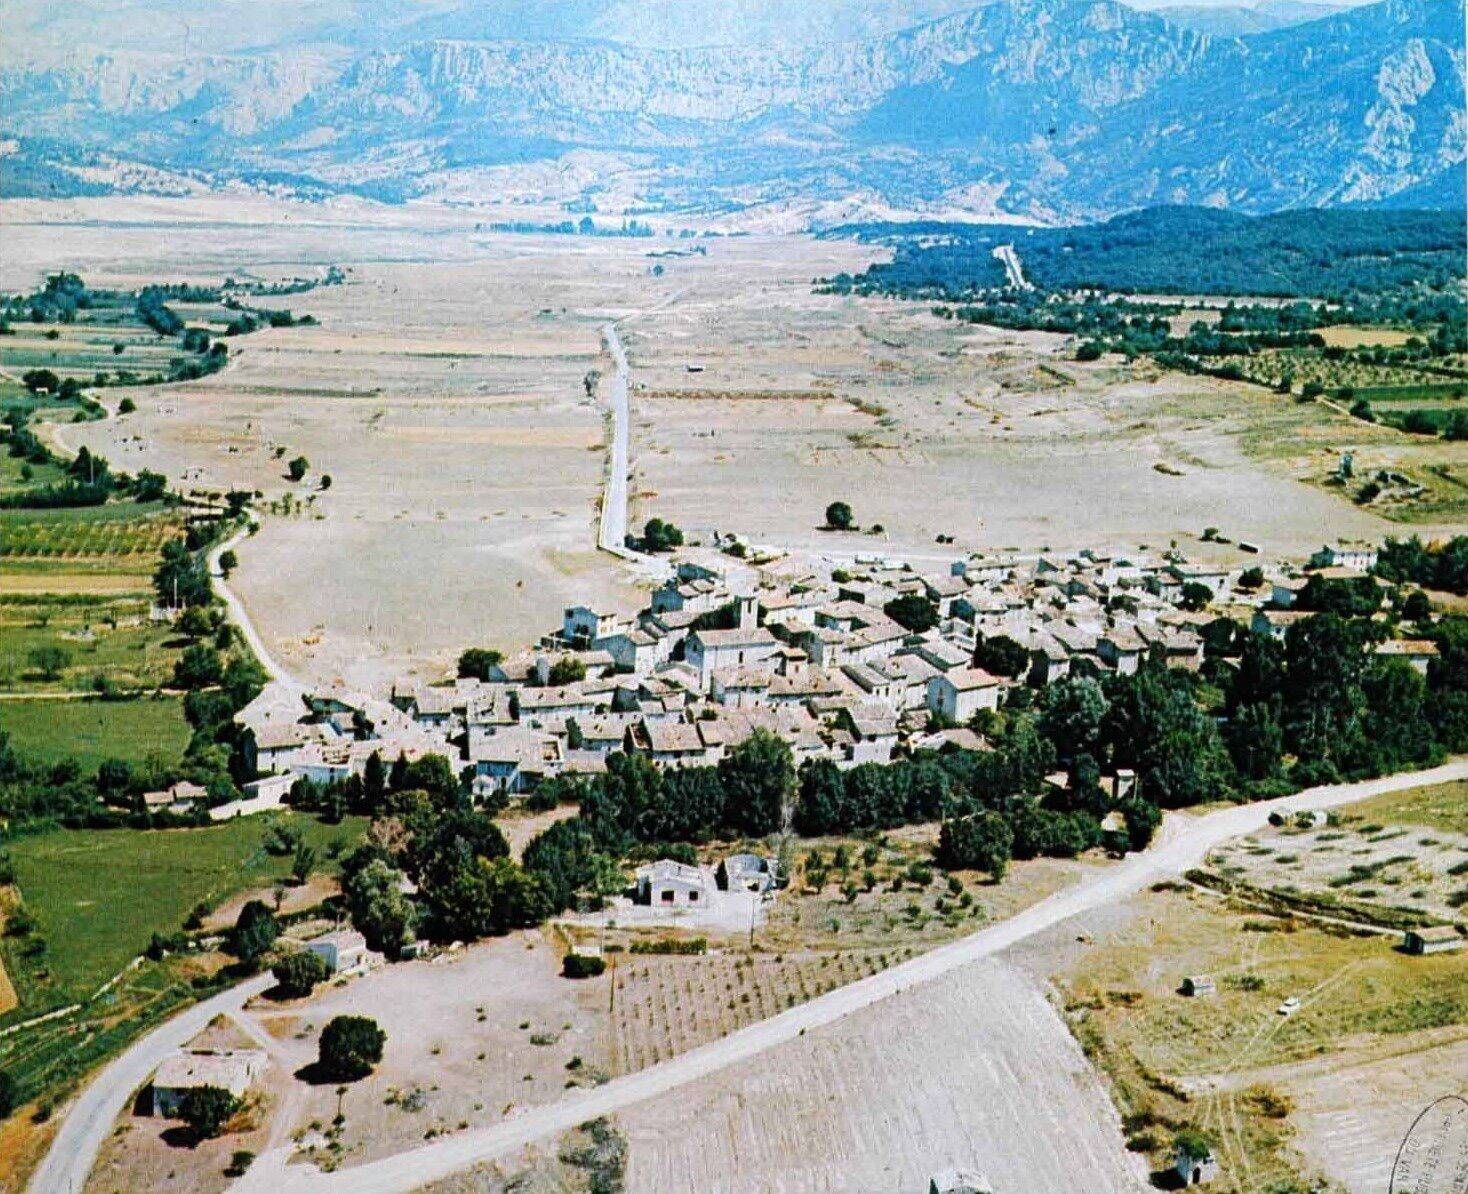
(206, 1109)
(350, 1046)
(298, 973)
(582, 966)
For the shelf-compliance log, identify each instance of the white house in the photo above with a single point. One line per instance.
(343, 950)
(1361, 556)
(234, 1070)
(958, 695)
(709, 650)
(666, 883)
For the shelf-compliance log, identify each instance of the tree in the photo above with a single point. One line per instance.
(198, 667)
(1072, 712)
(658, 535)
(255, 931)
(981, 842)
(9, 1094)
(568, 669)
(296, 469)
(50, 660)
(379, 910)
(1195, 596)
(349, 1047)
(149, 486)
(40, 381)
(228, 562)
(304, 862)
(206, 1109)
(1256, 742)
(759, 783)
(477, 663)
(912, 612)
(1251, 578)
(1002, 656)
(325, 482)
(297, 973)
(181, 578)
(839, 516)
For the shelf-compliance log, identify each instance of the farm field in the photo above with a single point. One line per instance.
(444, 391)
(90, 636)
(68, 880)
(976, 1071)
(1356, 868)
(91, 731)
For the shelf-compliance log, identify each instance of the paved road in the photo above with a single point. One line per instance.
(1183, 844)
(1012, 270)
(614, 501)
(90, 1118)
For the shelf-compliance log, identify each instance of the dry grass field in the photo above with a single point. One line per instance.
(443, 391)
(1328, 1092)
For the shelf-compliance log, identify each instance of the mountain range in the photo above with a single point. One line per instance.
(1030, 109)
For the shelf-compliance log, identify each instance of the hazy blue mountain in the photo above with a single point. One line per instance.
(1238, 20)
(1045, 108)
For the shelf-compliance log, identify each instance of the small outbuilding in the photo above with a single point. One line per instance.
(343, 950)
(1199, 985)
(1196, 1170)
(234, 1070)
(959, 1181)
(1435, 939)
(746, 872)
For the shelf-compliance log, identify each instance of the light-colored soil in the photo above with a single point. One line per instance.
(975, 1071)
(443, 392)
(1363, 862)
(296, 897)
(1352, 1118)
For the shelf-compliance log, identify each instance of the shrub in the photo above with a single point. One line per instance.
(582, 966)
(206, 1109)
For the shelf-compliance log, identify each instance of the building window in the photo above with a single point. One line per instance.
(693, 897)
(667, 895)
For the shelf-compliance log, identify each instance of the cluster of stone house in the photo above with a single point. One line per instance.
(797, 647)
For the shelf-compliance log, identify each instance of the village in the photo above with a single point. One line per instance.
(814, 652)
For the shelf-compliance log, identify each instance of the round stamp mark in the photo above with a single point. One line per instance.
(1433, 1158)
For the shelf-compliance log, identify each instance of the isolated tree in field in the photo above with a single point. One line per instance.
(40, 381)
(303, 863)
(350, 1046)
(658, 535)
(50, 660)
(255, 931)
(296, 469)
(839, 516)
(228, 562)
(297, 974)
(206, 1109)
